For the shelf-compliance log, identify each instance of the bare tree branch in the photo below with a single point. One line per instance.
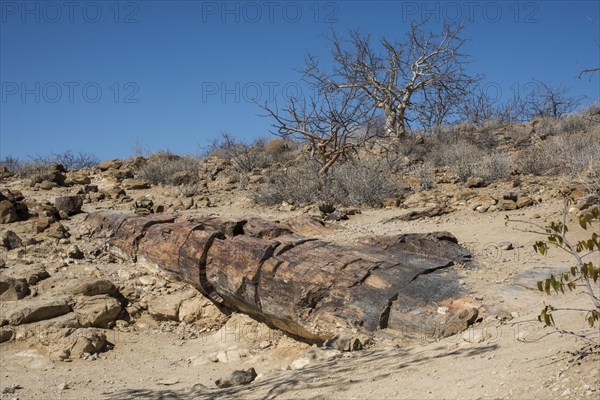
(394, 80)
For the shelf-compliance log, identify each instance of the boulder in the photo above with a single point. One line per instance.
(93, 287)
(134, 184)
(524, 202)
(10, 240)
(8, 213)
(167, 307)
(12, 289)
(460, 321)
(6, 334)
(110, 164)
(56, 231)
(32, 274)
(69, 204)
(237, 378)
(43, 223)
(27, 311)
(588, 201)
(506, 205)
(199, 309)
(76, 342)
(474, 182)
(97, 311)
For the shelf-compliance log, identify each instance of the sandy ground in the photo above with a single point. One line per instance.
(515, 358)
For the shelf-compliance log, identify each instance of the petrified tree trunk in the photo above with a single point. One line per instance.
(309, 288)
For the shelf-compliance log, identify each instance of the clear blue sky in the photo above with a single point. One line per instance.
(96, 76)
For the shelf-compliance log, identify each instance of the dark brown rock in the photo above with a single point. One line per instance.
(12, 289)
(69, 204)
(8, 213)
(10, 240)
(237, 378)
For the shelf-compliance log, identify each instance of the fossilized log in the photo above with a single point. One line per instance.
(309, 288)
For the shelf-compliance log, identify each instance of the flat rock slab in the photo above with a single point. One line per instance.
(28, 311)
(310, 288)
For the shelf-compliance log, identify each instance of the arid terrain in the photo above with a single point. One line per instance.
(79, 323)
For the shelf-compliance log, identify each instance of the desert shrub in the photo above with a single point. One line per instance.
(591, 177)
(466, 159)
(349, 183)
(169, 169)
(424, 172)
(563, 154)
(12, 165)
(38, 164)
(535, 160)
(575, 151)
(247, 157)
(297, 184)
(400, 154)
(68, 159)
(327, 208)
(363, 182)
(585, 120)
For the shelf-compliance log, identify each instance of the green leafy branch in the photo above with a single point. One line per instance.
(582, 274)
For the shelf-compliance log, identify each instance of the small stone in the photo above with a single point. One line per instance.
(264, 344)
(512, 196)
(74, 252)
(474, 182)
(505, 245)
(8, 389)
(239, 377)
(567, 392)
(300, 363)
(482, 209)
(506, 205)
(170, 381)
(63, 386)
(524, 202)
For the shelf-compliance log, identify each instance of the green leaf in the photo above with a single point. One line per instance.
(547, 286)
(540, 286)
(583, 221)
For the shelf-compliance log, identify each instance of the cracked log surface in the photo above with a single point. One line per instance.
(310, 288)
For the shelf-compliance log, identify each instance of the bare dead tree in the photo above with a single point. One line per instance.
(335, 124)
(438, 106)
(590, 71)
(551, 101)
(479, 107)
(391, 79)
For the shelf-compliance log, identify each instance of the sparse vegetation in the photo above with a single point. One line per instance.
(247, 157)
(350, 183)
(36, 165)
(169, 169)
